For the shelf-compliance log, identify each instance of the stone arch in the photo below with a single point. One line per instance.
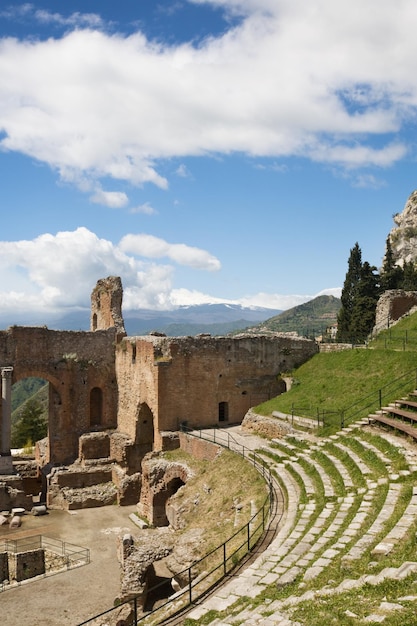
(161, 479)
(160, 514)
(96, 406)
(144, 428)
(44, 452)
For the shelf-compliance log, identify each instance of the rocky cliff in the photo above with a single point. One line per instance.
(403, 236)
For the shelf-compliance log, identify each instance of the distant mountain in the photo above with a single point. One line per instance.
(309, 319)
(216, 319)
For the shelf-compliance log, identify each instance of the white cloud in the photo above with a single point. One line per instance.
(183, 171)
(317, 80)
(30, 12)
(154, 247)
(55, 274)
(146, 208)
(178, 297)
(112, 199)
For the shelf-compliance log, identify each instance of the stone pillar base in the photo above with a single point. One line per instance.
(6, 465)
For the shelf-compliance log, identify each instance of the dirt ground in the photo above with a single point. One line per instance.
(68, 598)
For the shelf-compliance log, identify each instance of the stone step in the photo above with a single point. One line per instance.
(361, 464)
(401, 528)
(381, 519)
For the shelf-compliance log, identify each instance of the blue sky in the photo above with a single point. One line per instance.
(203, 150)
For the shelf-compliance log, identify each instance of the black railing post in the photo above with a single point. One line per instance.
(190, 594)
(224, 559)
(248, 527)
(380, 397)
(135, 610)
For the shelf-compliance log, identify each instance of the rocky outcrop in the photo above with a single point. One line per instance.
(403, 237)
(12, 494)
(158, 553)
(265, 426)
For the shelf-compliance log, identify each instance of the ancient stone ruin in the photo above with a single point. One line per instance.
(114, 398)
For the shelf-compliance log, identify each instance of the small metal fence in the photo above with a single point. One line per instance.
(361, 408)
(72, 555)
(207, 572)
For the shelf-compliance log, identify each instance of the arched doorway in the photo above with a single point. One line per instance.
(30, 408)
(160, 500)
(223, 411)
(96, 407)
(144, 429)
(29, 424)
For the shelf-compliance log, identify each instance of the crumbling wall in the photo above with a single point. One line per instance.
(392, 305)
(106, 305)
(160, 480)
(26, 565)
(94, 446)
(74, 363)
(187, 379)
(200, 449)
(4, 566)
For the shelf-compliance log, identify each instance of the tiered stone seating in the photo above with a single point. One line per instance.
(349, 523)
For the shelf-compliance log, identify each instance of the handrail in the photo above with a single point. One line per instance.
(375, 399)
(254, 528)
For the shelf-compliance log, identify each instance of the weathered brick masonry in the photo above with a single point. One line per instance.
(201, 381)
(139, 390)
(76, 365)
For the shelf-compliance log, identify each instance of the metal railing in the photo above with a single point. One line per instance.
(205, 573)
(361, 408)
(72, 555)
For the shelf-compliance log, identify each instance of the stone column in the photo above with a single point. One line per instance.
(6, 465)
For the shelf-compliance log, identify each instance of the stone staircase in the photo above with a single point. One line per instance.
(352, 506)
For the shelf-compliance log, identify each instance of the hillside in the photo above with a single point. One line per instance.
(310, 319)
(25, 389)
(30, 404)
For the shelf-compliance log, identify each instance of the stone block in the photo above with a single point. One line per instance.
(94, 446)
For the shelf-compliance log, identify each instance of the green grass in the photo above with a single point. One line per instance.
(330, 383)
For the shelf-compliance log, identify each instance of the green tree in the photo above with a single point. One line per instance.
(31, 425)
(364, 305)
(409, 282)
(353, 276)
(392, 275)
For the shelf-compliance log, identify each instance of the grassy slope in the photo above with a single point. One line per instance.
(335, 381)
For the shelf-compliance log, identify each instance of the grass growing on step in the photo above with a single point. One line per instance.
(329, 468)
(354, 471)
(363, 602)
(372, 460)
(396, 456)
(297, 442)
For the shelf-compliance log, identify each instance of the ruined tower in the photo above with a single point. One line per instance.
(106, 305)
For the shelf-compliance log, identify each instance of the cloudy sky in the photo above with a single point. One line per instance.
(203, 150)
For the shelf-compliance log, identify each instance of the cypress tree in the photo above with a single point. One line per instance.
(364, 305)
(392, 275)
(353, 275)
